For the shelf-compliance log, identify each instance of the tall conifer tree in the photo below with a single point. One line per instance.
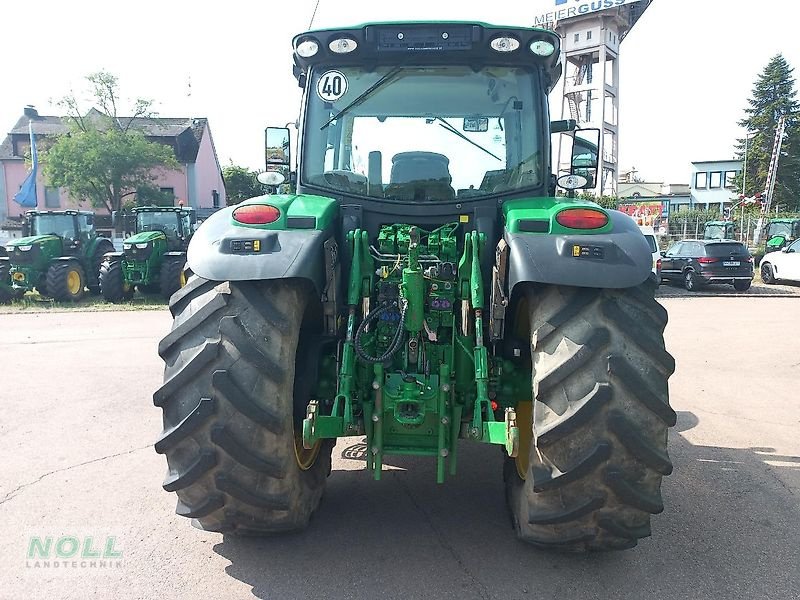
(774, 95)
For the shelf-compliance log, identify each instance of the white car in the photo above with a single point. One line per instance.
(783, 265)
(650, 235)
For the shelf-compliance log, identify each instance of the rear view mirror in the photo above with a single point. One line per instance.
(277, 146)
(584, 149)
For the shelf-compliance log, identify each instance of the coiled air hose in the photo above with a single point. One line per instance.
(396, 341)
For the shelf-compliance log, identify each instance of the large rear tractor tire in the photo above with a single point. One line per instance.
(229, 436)
(66, 281)
(98, 259)
(590, 476)
(112, 282)
(172, 278)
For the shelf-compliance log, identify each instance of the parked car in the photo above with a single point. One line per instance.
(696, 263)
(650, 235)
(782, 265)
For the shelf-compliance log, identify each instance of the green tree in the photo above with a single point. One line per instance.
(104, 158)
(774, 94)
(240, 184)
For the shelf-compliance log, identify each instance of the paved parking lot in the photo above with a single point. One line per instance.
(77, 426)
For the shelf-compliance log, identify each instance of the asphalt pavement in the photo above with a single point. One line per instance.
(77, 426)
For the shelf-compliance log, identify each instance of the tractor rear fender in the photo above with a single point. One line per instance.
(222, 251)
(619, 258)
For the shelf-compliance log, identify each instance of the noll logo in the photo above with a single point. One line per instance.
(73, 552)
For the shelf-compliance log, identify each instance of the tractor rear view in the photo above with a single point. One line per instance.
(59, 255)
(153, 259)
(424, 285)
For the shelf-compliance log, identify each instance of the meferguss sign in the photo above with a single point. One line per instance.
(558, 10)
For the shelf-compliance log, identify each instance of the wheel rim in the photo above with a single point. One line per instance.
(689, 281)
(183, 278)
(766, 273)
(306, 457)
(73, 282)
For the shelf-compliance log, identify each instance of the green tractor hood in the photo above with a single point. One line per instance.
(30, 240)
(145, 236)
(47, 245)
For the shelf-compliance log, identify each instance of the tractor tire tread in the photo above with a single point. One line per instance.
(600, 418)
(233, 468)
(57, 281)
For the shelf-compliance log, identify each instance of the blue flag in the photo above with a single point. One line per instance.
(26, 196)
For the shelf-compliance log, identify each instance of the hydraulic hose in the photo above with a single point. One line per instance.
(396, 341)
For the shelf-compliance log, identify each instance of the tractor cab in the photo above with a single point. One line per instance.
(175, 222)
(73, 228)
(719, 230)
(424, 120)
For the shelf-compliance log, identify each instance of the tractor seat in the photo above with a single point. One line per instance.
(420, 176)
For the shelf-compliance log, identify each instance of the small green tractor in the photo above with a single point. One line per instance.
(59, 255)
(424, 285)
(153, 259)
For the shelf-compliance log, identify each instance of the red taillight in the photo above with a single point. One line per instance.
(658, 264)
(748, 259)
(706, 260)
(582, 218)
(256, 214)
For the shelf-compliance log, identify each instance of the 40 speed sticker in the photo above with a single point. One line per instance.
(332, 85)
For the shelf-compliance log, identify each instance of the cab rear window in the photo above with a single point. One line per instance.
(719, 250)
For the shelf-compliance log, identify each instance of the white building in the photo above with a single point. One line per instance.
(712, 183)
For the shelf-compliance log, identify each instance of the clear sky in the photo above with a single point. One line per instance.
(687, 68)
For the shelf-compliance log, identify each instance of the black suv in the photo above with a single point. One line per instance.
(698, 262)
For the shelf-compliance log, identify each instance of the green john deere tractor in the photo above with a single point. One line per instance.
(780, 232)
(424, 285)
(59, 255)
(153, 259)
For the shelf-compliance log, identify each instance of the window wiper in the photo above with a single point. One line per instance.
(365, 94)
(445, 125)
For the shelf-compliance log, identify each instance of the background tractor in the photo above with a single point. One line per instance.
(153, 259)
(719, 230)
(59, 255)
(780, 232)
(424, 285)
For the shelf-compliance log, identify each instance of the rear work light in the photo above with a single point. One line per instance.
(582, 218)
(256, 214)
(343, 45)
(504, 44)
(307, 48)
